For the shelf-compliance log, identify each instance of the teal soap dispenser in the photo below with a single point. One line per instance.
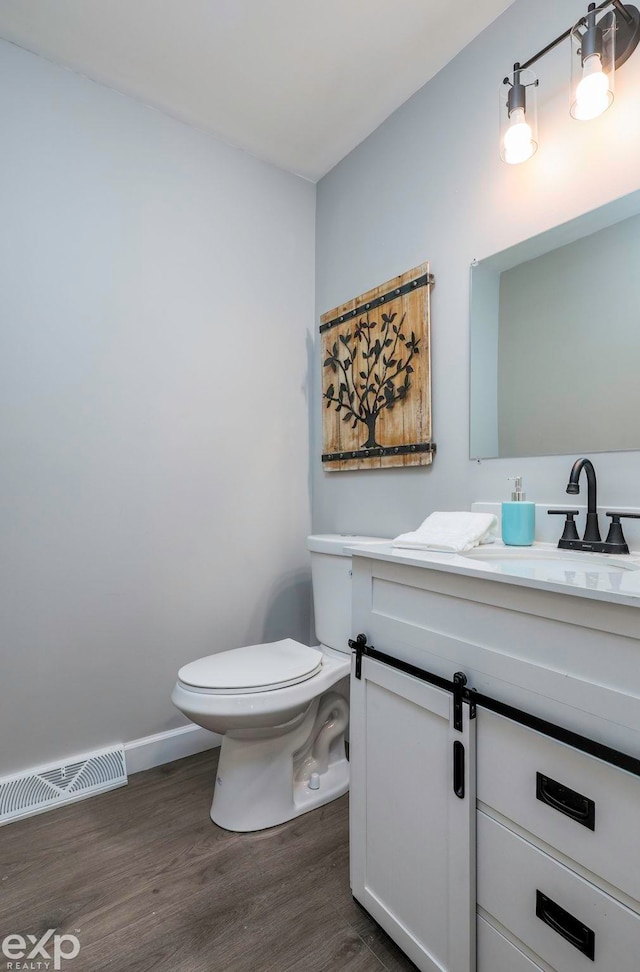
(518, 518)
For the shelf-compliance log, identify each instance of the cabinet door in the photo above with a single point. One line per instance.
(412, 837)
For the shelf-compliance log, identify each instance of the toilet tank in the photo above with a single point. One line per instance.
(331, 581)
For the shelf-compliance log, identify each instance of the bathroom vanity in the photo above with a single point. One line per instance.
(494, 820)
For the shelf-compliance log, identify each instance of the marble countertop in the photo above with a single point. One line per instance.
(602, 577)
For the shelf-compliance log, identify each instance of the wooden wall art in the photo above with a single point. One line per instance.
(376, 377)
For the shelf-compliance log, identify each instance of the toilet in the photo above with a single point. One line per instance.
(282, 708)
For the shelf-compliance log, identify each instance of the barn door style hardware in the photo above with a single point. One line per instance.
(459, 682)
(360, 647)
(455, 686)
(462, 693)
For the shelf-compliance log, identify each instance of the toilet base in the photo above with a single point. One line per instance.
(262, 782)
(333, 784)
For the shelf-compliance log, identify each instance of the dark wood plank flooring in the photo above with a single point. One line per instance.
(147, 882)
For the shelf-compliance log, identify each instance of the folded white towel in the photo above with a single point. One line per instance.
(450, 532)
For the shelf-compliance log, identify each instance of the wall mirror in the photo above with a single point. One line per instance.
(555, 340)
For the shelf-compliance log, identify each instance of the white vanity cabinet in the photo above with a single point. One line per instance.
(538, 868)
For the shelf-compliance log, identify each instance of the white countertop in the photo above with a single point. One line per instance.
(595, 576)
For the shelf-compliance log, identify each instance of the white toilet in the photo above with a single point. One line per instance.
(282, 708)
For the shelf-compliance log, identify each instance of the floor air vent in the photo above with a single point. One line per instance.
(53, 786)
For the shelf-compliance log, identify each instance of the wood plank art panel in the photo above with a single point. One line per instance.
(376, 377)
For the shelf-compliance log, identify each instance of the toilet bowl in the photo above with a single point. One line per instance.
(274, 738)
(281, 708)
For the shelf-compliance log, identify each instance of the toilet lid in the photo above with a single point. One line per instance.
(256, 668)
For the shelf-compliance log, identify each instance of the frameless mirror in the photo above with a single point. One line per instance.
(555, 340)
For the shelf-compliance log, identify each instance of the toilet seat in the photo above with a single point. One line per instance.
(253, 668)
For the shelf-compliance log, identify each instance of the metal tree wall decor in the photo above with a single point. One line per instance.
(376, 377)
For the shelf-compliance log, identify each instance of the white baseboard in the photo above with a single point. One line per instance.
(164, 747)
(79, 777)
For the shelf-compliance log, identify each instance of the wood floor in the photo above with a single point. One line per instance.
(147, 882)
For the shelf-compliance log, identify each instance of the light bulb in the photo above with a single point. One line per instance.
(518, 143)
(592, 94)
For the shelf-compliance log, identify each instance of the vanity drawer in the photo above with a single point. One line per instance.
(567, 921)
(496, 954)
(581, 806)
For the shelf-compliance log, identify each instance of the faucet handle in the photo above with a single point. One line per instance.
(615, 537)
(570, 530)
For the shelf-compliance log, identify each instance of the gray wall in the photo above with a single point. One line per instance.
(156, 305)
(569, 347)
(429, 184)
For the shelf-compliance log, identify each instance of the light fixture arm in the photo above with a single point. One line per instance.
(622, 10)
(631, 31)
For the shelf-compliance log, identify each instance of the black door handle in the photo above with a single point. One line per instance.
(558, 796)
(566, 925)
(458, 769)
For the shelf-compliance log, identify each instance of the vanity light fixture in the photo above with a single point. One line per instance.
(600, 42)
(518, 117)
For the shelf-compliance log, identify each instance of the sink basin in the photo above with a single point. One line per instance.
(551, 564)
(552, 557)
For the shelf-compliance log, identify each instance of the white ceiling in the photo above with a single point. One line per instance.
(295, 82)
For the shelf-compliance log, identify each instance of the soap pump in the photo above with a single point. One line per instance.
(518, 518)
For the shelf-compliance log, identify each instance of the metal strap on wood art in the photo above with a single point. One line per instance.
(389, 451)
(426, 278)
(376, 376)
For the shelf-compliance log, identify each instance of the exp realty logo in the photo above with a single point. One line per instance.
(28, 953)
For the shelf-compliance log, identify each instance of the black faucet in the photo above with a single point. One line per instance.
(615, 542)
(592, 529)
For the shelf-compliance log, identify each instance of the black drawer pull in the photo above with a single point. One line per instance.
(580, 808)
(458, 769)
(572, 930)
